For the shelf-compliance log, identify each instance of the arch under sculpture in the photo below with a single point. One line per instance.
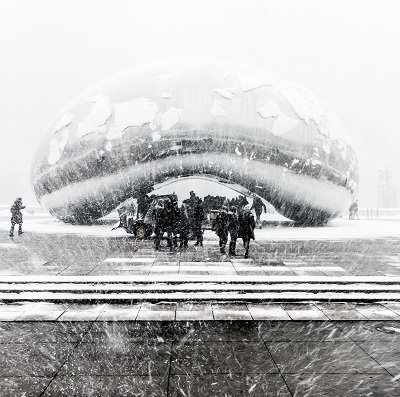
(195, 117)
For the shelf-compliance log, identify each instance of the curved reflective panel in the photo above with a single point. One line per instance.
(189, 117)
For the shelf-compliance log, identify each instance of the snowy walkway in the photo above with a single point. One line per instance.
(220, 358)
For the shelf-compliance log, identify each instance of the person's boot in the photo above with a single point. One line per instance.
(11, 234)
(222, 249)
(20, 231)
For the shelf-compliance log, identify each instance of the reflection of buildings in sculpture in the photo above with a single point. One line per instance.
(196, 117)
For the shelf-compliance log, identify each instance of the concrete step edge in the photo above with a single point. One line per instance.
(197, 288)
(225, 279)
(221, 297)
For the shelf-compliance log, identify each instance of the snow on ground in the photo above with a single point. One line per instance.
(340, 228)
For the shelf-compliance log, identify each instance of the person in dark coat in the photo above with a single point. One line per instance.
(258, 206)
(233, 227)
(353, 210)
(198, 221)
(173, 220)
(183, 226)
(196, 216)
(221, 228)
(16, 216)
(170, 219)
(246, 228)
(242, 202)
(143, 203)
(158, 219)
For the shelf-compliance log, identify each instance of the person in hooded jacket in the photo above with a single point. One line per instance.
(246, 228)
(16, 216)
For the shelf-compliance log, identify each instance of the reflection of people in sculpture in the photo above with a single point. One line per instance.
(246, 228)
(258, 206)
(16, 216)
(353, 210)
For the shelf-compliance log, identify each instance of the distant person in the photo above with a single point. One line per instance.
(199, 214)
(242, 202)
(258, 206)
(170, 218)
(158, 217)
(221, 228)
(246, 228)
(353, 210)
(143, 203)
(16, 216)
(174, 220)
(233, 228)
(183, 226)
(196, 216)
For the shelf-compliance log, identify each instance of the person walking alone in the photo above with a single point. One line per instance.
(353, 210)
(16, 216)
(246, 228)
(258, 206)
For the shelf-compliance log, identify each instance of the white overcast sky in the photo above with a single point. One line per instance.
(345, 51)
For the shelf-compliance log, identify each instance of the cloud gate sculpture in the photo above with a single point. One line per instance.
(195, 117)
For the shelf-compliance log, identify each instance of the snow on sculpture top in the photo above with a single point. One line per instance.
(195, 92)
(193, 116)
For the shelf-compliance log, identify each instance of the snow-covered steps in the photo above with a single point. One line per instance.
(237, 296)
(217, 288)
(198, 288)
(176, 279)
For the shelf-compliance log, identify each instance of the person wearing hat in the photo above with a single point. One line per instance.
(221, 228)
(16, 216)
(246, 228)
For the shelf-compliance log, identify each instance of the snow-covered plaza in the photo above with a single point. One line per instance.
(89, 312)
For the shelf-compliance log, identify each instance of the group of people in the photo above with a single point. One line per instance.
(177, 222)
(168, 217)
(233, 224)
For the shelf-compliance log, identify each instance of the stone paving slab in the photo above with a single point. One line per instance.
(192, 311)
(200, 358)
